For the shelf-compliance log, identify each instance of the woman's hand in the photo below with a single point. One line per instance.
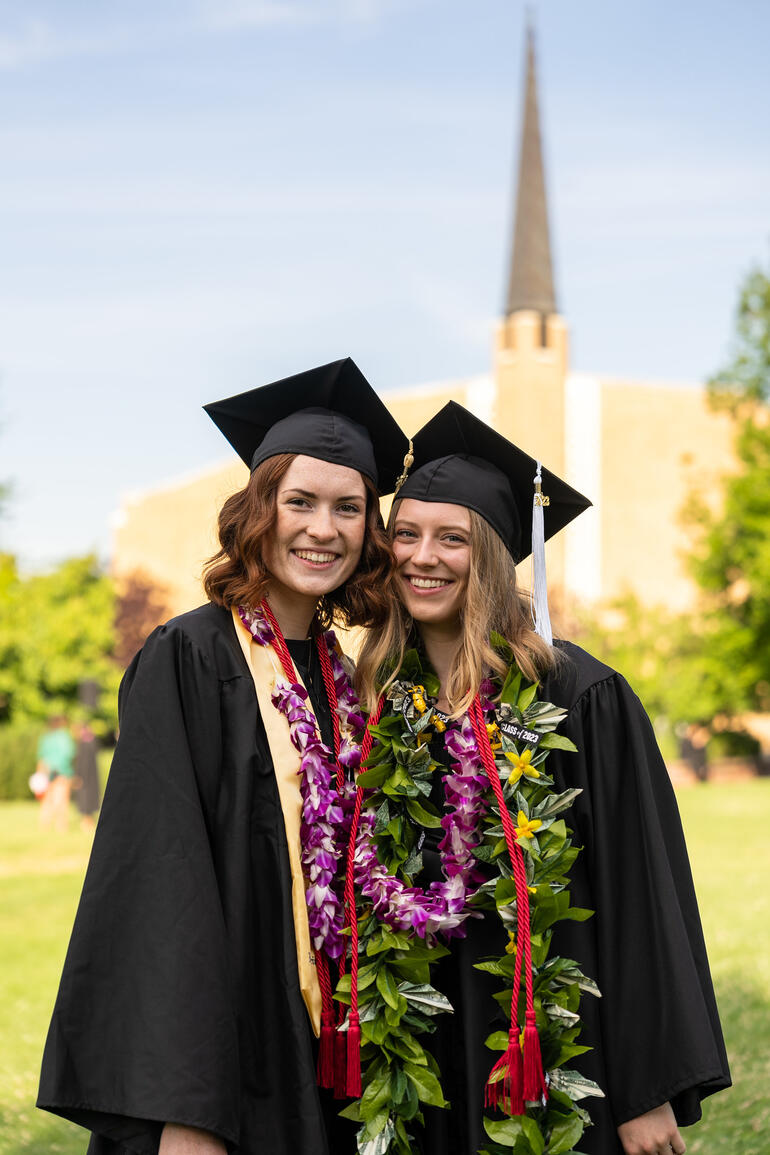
(178, 1140)
(654, 1133)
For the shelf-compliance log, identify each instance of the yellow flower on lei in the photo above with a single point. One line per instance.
(526, 827)
(495, 740)
(521, 764)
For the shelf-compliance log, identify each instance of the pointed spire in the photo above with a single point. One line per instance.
(531, 278)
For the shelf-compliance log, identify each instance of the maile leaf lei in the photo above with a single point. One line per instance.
(401, 925)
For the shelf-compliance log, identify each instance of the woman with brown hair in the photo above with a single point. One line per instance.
(488, 739)
(200, 964)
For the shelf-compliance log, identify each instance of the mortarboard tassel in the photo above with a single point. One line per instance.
(539, 599)
(340, 1064)
(522, 1077)
(353, 1051)
(534, 1081)
(408, 463)
(335, 1066)
(325, 1068)
(354, 1086)
(508, 1091)
(326, 1051)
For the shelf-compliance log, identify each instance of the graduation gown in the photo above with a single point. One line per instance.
(655, 1033)
(180, 998)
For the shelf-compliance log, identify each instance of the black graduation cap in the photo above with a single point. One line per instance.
(461, 460)
(330, 412)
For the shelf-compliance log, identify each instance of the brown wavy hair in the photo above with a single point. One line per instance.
(237, 574)
(493, 602)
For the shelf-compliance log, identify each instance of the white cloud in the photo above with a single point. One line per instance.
(229, 14)
(448, 305)
(36, 40)
(260, 13)
(51, 336)
(149, 196)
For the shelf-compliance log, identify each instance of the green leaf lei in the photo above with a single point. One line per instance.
(398, 1002)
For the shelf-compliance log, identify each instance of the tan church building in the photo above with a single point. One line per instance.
(637, 449)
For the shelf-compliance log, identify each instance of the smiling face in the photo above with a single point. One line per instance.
(320, 522)
(431, 541)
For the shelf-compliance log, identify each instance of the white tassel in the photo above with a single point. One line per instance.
(539, 597)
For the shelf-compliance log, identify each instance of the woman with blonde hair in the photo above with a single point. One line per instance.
(488, 738)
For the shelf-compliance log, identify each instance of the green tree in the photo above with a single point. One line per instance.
(667, 662)
(688, 669)
(731, 561)
(56, 632)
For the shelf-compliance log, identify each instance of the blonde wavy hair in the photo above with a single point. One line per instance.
(492, 603)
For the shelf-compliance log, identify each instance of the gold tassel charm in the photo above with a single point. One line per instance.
(408, 463)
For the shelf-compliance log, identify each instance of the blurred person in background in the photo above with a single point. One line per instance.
(87, 792)
(693, 742)
(55, 758)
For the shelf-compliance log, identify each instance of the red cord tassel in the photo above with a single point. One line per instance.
(354, 1088)
(326, 1051)
(534, 1082)
(507, 1092)
(340, 1065)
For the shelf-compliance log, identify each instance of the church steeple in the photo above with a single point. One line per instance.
(530, 284)
(532, 340)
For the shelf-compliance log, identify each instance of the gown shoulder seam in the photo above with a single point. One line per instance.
(203, 645)
(611, 676)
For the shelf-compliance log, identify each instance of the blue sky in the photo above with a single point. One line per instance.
(199, 196)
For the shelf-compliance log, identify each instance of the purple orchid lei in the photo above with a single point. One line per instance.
(443, 907)
(326, 811)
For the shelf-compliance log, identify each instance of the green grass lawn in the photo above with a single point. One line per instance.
(40, 878)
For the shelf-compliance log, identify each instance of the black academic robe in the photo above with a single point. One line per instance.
(180, 998)
(655, 1033)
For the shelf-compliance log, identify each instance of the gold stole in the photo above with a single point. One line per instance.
(264, 667)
